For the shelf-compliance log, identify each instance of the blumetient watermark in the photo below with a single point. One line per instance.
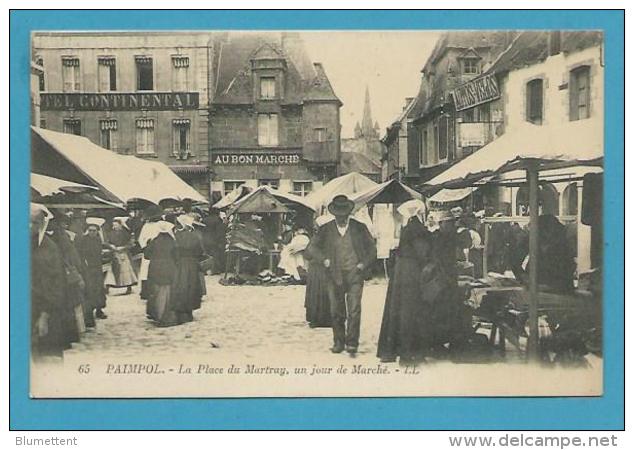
(507, 440)
(23, 441)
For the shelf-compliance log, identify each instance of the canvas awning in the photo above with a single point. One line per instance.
(259, 201)
(56, 193)
(289, 201)
(540, 147)
(46, 186)
(392, 191)
(530, 150)
(122, 178)
(232, 197)
(348, 184)
(451, 195)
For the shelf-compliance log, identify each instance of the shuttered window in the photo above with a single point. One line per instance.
(267, 87)
(72, 126)
(180, 69)
(145, 136)
(535, 101)
(579, 89)
(443, 142)
(144, 73)
(181, 147)
(71, 74)
(268, 130)
(108, 133)
(107, 73)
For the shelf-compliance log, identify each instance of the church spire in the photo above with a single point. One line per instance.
(367, 125)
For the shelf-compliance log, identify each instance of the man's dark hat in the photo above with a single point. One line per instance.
(153, 212)
(341, 205)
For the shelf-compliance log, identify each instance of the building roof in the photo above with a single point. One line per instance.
(396, 125)
(465, 40)
(304, 81)
(357, 162)
(441, 82)
(532, 47)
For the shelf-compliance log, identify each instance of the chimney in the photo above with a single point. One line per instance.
(293, 47)
(554, 42)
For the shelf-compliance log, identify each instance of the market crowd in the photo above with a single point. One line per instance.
(77, 259)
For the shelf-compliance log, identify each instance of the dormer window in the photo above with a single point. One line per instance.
(470, 62)
(267, 88)
(470, 66)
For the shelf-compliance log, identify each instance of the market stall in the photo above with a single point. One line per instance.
(56, 193)
(380, 201)
(348, 184)
(532, 150)
(122, 178)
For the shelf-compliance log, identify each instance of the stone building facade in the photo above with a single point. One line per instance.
(439, 133)
(395, 161)
(137, 93)
(274, 118)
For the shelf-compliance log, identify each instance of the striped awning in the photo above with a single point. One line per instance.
(180, 61)
(143, 59)
(106, 60)
(190, 169)
(144, 123)
(108, 124)
(70, 61)
(181, 122)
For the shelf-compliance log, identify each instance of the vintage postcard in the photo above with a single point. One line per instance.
(316, 213)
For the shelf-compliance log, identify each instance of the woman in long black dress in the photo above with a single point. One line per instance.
(73, 320)
(161, 253)
(405, 327)
(316, 301)
(187, 287)
(47, 290)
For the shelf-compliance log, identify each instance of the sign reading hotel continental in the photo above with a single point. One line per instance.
(261, 159)
(153, 101)
(476, 92)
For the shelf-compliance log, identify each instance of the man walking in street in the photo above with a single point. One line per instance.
(346, 248)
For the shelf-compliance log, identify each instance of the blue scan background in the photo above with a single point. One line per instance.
(606, 412)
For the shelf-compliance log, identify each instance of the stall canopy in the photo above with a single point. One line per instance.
(259, 201)
(451, 195)
(46, 186)
(232, 197)
(390, 192)
(530, 149)
(348, 184)
(122, 178)
(58, 193)
(287, 200)
(534, 146)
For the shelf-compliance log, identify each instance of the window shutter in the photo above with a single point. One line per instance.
(150, 140)
(188, 139)
(114, 144)
(442, 138)
(262, 129)
(273, 127)
(66, 76)
(104, 78)
(140, 140)
(175, 140)
(76, 77)
(573, 94)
